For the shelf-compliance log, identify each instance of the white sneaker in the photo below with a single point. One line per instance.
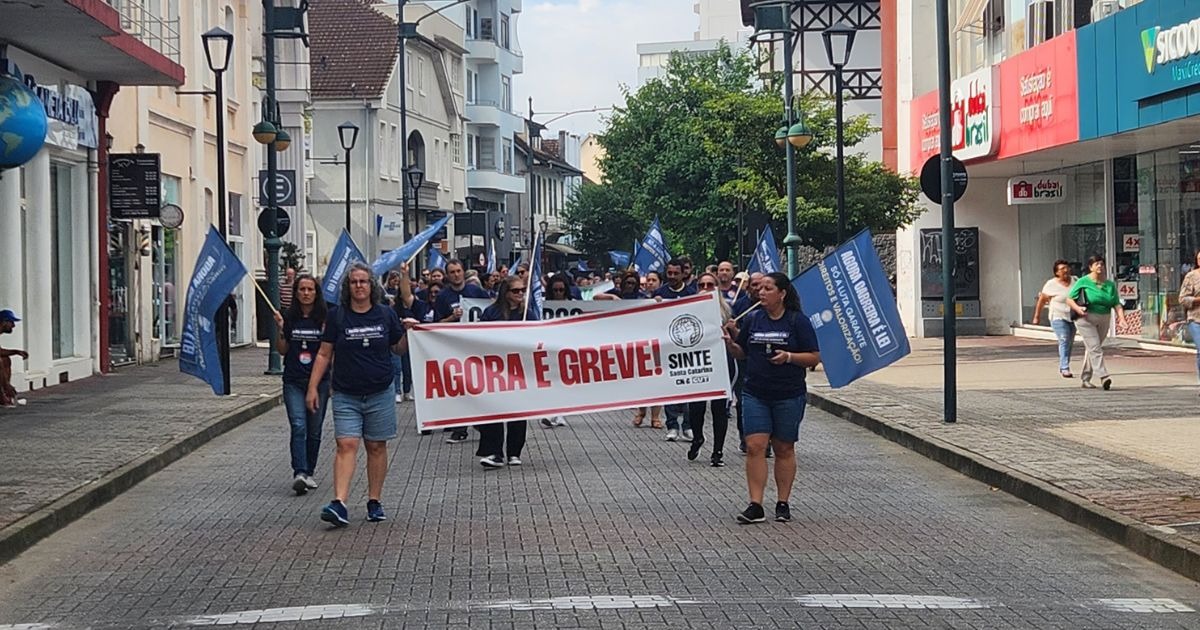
(299, 485)
(399, 398)
(672, 435)
(514, 461)
(408, 397)
(687, 435)
(560, 421)
(310, 482)
(491, 461)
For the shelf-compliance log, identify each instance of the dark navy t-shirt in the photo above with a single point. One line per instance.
(741, 305)
(304, 339)
(760, 338)
(667, 293)
(449, 299)
(419, 310)
(362, 348)
(494, 314)
(636, 295)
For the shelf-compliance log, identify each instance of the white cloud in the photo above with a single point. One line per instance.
(579, 52)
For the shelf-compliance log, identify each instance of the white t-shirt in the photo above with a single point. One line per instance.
(1058, 298)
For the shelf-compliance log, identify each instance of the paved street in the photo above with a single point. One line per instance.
(605, 526)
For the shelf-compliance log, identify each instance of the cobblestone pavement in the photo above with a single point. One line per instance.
(71, 435)
(1132, 449)
(604, 526)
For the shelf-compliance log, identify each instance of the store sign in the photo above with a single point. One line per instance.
(1131, 244)
(1036, 189)
(1127, 291)
(69, 108)
(1039, 91)
(1163, 46)
(974, 119)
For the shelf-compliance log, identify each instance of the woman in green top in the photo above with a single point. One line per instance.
(1093, 299)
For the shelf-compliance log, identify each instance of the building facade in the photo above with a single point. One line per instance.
(556, 177)
(1080, 133)
(54, 242)
(360, 83)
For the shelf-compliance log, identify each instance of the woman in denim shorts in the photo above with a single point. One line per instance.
(778, 344)
(361, 334)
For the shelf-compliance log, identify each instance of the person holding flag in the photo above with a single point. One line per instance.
(361, 334)
(299, 331)
(497, 439)
(447, 308)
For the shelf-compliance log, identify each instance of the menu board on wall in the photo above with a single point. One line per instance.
(966, 264)
(134, 185)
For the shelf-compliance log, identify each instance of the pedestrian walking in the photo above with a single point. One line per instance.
(677, 287)
(1054, 293)
(298, 331)
(707, 283)
(745, 300)
(499, 439)
(558, 287)
(448, 308)
(1189, 298)
(654, 282)
(779, 345)
(360, 335)
(8, 393)
(1092, 299)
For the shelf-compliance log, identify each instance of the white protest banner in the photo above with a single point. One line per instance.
(552, 309)
(656, 353)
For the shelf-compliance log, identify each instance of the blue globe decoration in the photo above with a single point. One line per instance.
(23, 123)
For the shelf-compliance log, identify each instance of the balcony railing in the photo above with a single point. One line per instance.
(162, 35)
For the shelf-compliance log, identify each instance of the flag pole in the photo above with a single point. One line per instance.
(747, 311)
(533, 254)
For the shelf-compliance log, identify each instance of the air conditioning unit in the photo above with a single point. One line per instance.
(1041, 22)
(1104, 8)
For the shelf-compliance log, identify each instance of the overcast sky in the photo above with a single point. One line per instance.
(579, 52)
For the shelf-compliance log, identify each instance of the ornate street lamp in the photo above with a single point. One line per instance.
(839, 43)
(218, 50)
(347, 135)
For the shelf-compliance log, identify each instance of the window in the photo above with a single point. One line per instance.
(408, 70)
(456, 148)
(235, 214)
(487, 153)
(456, 71)
(231, 76)
(472, 151)
(506, 93)
(62, 275)
(472, 25)
(472, 86)
(383, 149)
(504, 31)
(507, 147)
(209, 203)
(421, 75)
(394, 155)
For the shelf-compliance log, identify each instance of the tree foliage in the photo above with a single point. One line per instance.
(690, 145)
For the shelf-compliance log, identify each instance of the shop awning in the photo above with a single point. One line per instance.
(971, 14)
(565, 250)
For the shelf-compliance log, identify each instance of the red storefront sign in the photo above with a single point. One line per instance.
(974, 117)
(1039, 98)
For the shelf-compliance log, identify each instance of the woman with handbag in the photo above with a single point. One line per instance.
(1189, 299)
(1092, 300)
(1054, 293)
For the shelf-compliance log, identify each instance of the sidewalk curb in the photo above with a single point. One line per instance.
(26, 532)
(1179, 556)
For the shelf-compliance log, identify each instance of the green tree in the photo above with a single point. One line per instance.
(690, 145)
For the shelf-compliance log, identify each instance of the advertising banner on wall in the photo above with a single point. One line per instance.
(1039, 98)
(1037, 189)
(974, 116)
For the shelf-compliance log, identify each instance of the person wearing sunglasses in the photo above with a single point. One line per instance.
(628, 288)
(499, 439)
(559, 287)
(707, 283)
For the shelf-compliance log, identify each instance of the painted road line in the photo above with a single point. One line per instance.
(272, 615)
(590, 602)
(1142, 605)
(908, 602)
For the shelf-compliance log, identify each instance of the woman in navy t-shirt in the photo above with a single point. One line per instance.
(779, 344)
(497, 438)
(361, 335)
(299, 338)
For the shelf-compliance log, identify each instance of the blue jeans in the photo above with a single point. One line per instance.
(676, 413)
(1064, 330)
(778, 418)
(398, 375)
(306, 426)
(1194, 329)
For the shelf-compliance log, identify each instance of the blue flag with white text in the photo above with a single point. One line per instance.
(217, 272)
(652, 255)
(513, 269)
(766, 255)
(345, 253)
(619, 258)
(491, 264)
(849, 302)
(436, 259)
(392, 259)
(537, 292)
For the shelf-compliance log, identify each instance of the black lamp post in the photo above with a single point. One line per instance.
(544, 225)
(348, 135)
(218, 49)
(472, 204)
(839, 42)
(415, 177)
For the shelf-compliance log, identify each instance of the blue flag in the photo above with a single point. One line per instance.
(491, 266)
(620, 259)
(513, 269)
(849, 301)
(216, 274)
(652, 255)
(537, 292)
(345, 253)
(766, 255)
(436, 259)
(392, 259)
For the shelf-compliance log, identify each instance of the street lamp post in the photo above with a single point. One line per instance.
(839, 42)
(472, 203)
(348, 135)
(218, 49)
(415, 177)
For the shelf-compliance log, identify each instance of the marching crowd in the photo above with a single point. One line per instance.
(355, 355)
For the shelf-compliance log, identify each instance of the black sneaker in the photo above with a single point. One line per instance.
(783, 513)
(718, 460)
(752, 514)
(375, 511)
(548, 423)
(457, 437)
(694, 449)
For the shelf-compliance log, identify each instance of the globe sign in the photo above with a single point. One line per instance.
(23, 123)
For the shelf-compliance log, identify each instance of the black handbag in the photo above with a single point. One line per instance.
(1082, 301)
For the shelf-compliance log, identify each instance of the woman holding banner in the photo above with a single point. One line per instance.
(779, 345)
(299, 339)
(707, 283)
(509, 306)
(362, 335)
